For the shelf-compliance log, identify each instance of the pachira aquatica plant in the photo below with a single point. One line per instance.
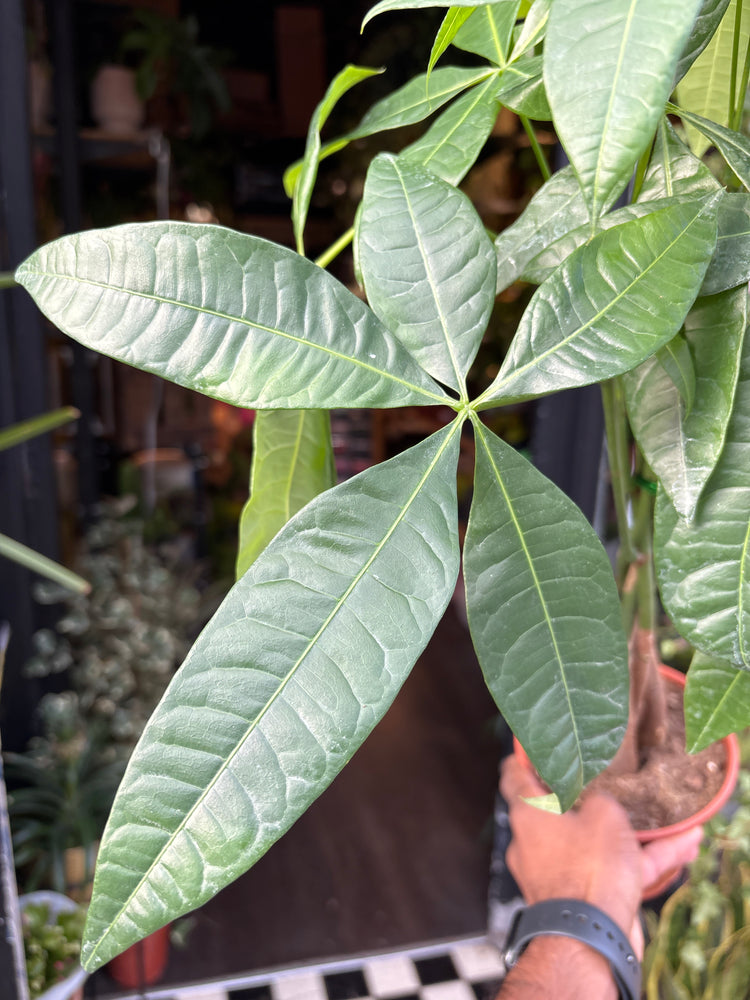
(642, 255)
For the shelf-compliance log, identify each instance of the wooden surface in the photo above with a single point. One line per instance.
(395, 852)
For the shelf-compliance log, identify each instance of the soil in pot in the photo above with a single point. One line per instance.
(671, 785)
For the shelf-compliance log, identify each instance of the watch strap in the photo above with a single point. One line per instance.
(575, 919)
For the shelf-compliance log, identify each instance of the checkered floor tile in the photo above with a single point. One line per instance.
(459, 970)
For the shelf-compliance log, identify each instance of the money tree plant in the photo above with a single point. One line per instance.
(641, 254)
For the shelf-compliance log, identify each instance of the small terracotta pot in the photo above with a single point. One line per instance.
(142, 963)
(732, 747)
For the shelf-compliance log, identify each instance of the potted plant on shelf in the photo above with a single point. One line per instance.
(647, 298)
(52, 931)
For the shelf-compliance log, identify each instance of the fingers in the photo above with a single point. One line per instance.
(518, 781)
(662, 856)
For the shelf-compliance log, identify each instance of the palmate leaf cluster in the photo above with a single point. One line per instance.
(321, 629)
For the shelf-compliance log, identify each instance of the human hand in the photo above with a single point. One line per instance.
(589, 853)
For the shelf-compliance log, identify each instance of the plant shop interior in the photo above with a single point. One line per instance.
(393, 883)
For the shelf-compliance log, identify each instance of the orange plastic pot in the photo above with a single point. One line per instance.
(732, 748)
(143, 963)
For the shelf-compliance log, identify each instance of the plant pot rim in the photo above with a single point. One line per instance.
(719, 800)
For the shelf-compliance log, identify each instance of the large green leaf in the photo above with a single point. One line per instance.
(608, 69)
(604, 310)
(673, 170)
(545, 619)
(705, 88)
(428, 266)
(489, 31)
(706, 23)
(295, 669)
(231, 315)
(386, 5)
(522, 89)
(703, 565)
(341, 83)
(451, 145)
(292, 464)
(717, 701)
(733, 146)
(557, 208)
(730, 264)
(683, 447)
(412, 103)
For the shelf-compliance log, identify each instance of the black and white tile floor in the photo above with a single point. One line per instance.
(467, 969)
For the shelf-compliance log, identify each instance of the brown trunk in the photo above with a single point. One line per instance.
(647, 719)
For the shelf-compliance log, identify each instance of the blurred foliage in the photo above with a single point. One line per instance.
(52, 945)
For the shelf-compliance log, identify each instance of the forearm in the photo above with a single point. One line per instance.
(559, 968)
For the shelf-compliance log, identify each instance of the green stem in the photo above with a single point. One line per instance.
(735, 59)
(640, 170)
(646, 581)
(335, 248)
(7, 279)
(736, 121)
(538, 153)
(618, 450)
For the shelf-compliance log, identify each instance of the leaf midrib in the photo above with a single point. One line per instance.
(455, 427)
(252, 325)
(494, 392)
(481, 435)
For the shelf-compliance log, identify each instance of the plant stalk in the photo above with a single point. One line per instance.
(7, 280)
(618, 450)
(335, 248)
(538, 152)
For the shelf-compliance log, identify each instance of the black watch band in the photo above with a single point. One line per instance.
(576, 919)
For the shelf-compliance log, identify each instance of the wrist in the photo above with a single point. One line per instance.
(560, 968)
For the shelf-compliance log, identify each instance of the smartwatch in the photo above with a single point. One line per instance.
(583, 922)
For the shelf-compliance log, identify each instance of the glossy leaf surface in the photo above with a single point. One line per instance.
(677, 361)
(489, 31)
(297, 666)
(452, 21)
(545, 619)
(717, 701)
(342, 82)
(451, 145)
(522, 89)
(733, 146)
(730, 265)
(703, 565)
(231, 315)
(673, 170)
(292, 464)
(428, 266)
(608, 71)
(557, 208)
(683, 447)
(706, 23)
(603, 311)
(705, 88)
(533, 29)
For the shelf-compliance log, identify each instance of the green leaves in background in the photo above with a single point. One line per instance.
(556, 209)
(28, 429)
(730, 264)
(604, 310)
(342, 82)
(717, 701)
(428, 266)
(292, 464)
(230, 315)
(608, 70)
(703, 565)
(452, 21)
(451, 145)
(489, 31)
(706, 23)
(706, 88)
(545, 619)
(386, 5)
(683, 443)
(673, 170)
(295, 669)
(734, 147)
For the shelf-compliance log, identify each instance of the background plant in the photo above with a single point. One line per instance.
(52, 944)
(647, 298)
